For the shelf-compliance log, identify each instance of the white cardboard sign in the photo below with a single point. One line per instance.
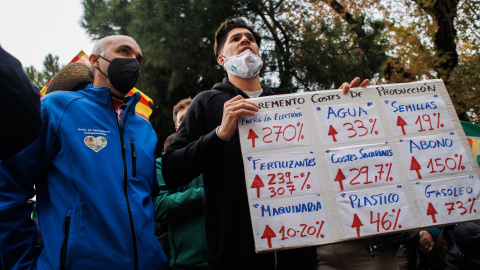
(282, 175)
(363, 166)
(279, 129)
(324, 167)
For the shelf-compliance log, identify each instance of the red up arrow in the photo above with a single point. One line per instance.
(252, 135)
(269, 234)
(257, 183)
(340, 177)
(357, 223)
(415, 166)
(332, 132)
(431, 211)
(401, 123)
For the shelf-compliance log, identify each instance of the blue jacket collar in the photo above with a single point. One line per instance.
(102, 95)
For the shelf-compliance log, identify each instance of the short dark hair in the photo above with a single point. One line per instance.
(226, 27)
(179, 106)
(168, 141)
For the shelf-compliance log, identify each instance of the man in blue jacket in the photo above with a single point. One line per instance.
(92, 169)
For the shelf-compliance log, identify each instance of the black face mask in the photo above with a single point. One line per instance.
(123, 73)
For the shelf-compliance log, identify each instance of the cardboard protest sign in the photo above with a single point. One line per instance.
(324, 167)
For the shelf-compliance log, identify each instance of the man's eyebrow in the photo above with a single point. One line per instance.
(128, 47)
(123, 46)
(241, 33)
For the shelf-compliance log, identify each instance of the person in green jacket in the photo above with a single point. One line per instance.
(182, 209)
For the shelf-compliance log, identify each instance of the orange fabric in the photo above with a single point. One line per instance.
(81, 57)
(475, 146)
(143, 106)
(44, 89)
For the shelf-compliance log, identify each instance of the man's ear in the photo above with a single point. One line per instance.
(94, 60)
(221, 60)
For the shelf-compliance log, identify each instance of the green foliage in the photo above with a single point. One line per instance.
(50, 68)
(330, 54)
(465, 88)
(468, 23)
(103, 18)
(436, 39)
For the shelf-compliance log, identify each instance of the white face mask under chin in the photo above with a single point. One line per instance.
(245, 65)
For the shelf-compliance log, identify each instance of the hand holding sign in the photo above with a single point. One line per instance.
(346, 86)
(233, 109)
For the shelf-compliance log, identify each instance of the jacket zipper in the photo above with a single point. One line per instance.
(134, 158)
(63, 252)
(125, 193)
(125, 187)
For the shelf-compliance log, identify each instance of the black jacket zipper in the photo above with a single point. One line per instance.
(125, 188)
(63, 252)
(125, 193)
(134, 158)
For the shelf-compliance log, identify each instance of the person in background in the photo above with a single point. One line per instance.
(93, 167)
(19, 106)
(465, 253)
(182, 209)
(179, 111)
(416, 252)
(207, 143)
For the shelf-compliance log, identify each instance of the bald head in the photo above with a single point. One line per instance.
(99, 48)
(111, 48)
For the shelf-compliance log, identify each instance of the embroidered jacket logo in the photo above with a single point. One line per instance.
(96, 144)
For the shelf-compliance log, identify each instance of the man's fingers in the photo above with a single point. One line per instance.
(233, 100)
(238, 103)
(365, 83)
(426, 243)
(245, 105)
(355, 82)
(240, 106)
(235, 108)
(237, 97)
(427, 250)
(345, 87)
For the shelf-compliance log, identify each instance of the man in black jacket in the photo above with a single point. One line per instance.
(207, 142)
(19, 107)
(465, 253)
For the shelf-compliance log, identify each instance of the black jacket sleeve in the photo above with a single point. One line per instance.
(19, 107)
(195, 144)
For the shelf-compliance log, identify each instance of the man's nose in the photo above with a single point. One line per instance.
(245, 39)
